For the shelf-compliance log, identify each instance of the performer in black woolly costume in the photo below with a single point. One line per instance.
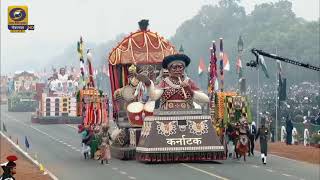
(9, 168)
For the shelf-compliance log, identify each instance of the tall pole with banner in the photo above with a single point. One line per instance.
(241, 79)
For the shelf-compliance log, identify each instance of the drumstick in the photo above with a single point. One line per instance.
(184, 92)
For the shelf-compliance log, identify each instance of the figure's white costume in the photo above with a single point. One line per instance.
(63, 78)
(306, 137)
(294, 134)
(283, 134)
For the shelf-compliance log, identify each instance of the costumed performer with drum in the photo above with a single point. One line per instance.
(176, 91)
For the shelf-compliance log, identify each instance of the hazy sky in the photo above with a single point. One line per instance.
(59, 23)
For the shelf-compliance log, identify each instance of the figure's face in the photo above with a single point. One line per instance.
(165, 74)
(62, 71)
(13, 171)
(176, 69)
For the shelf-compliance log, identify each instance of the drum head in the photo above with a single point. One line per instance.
(135, 107)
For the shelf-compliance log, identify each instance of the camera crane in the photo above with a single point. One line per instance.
(255, 63)
(256, 52)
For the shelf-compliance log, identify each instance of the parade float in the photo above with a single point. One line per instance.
(4, 90)
(92, 103)
(147, 130)
(22, 92)
(93, 107)
(57, 100)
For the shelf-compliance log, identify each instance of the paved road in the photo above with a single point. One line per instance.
(58, 148)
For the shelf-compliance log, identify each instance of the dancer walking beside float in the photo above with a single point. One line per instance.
(105, 154)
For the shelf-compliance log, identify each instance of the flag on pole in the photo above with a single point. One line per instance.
(226, 62)
(238, 65)
(213, 75)
(4, 127)
(26, 142)
(90, 67)
(221, 65)
(279, 66)
(80, 49)
(216, 85)
(282, 90)
(201, 67)
(263, 65)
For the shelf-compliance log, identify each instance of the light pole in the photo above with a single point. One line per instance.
(258, 97)
(277, 100)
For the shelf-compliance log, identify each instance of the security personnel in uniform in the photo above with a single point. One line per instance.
(263, 133)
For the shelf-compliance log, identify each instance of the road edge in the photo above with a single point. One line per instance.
(25, 154)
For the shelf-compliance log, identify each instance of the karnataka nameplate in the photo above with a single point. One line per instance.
(184, 141)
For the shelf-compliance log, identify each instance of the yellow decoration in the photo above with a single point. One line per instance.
(220, 104)
(132, 69)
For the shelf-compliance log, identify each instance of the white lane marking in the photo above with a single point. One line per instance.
(270, 170)
(42, 132)
(288, 175)
(73, 148)
(122, 172)
(203, 171)
(255, 166)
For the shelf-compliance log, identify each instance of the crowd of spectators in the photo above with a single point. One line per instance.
(302, 101)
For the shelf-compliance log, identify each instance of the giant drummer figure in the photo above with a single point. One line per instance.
(176, 91)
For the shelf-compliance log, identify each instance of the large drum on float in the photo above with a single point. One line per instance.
(148, 108)
(135, 111)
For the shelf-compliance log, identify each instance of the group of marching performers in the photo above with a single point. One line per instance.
(240, 138)
(95, 142)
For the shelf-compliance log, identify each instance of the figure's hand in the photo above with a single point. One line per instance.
(144, 78)
(184, 84)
